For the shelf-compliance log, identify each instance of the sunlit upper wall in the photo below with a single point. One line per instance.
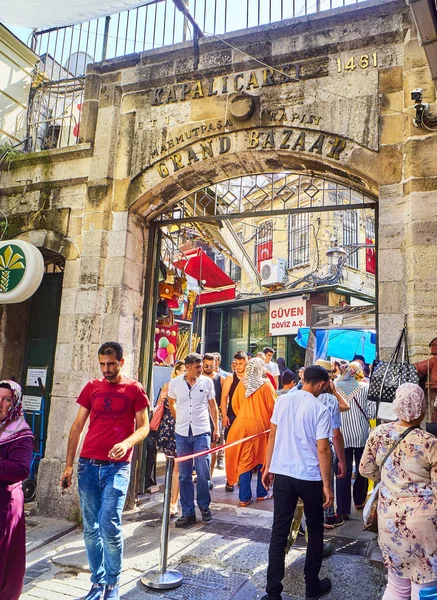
(16, 64)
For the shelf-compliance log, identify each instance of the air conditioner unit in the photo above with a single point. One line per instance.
(272, 271)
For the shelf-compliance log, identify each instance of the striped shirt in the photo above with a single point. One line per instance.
(354, 426)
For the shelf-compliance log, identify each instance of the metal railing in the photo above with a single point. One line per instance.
(65, 52)
(161, 24)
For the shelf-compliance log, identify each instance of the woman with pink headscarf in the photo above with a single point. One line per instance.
(407, 505)
(16, 443)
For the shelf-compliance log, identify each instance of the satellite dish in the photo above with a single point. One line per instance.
(77, 63)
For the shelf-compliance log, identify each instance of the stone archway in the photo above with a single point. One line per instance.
(187, 180)
(158, 186)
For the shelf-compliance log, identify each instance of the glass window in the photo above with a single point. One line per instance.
(238, 331)
(212, 332)
(299, 240)
(259, 328)
(234, 271)
(350, 235)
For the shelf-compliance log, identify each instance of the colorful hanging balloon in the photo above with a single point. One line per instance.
(163, 342)
(162, 353)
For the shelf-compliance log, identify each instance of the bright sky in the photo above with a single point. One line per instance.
(22, 33)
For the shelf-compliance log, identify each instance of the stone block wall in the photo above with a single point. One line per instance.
(91, 203)
(407, 205)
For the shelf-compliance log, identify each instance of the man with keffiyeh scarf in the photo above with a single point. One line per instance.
(16, 444)
(253, 402)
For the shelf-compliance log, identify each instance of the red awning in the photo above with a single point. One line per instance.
(197, 264)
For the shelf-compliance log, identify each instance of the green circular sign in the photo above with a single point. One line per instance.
(12, 267)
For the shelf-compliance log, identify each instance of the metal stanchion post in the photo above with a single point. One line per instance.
(161, 579)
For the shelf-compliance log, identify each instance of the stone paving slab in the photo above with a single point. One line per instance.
(41, 531)
(233, 547)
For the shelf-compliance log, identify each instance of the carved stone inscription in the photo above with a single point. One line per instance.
(299, 140)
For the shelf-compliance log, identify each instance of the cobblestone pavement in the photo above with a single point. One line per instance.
(223, 560)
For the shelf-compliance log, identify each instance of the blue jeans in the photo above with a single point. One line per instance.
(245, 493)
(102, 493)
(186, 445)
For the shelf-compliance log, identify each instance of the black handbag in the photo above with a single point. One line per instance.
(387, 376)
(162, 309)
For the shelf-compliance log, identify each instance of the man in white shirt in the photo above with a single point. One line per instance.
(299, 460)
(191, 400)
(271, 366)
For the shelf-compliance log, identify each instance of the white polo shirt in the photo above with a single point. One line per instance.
(273, 368)
(192, 404)
(301, 420)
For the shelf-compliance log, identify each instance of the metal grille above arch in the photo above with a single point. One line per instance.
(263, 195)
(293, 215)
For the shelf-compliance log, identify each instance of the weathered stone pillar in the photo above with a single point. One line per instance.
(103, 289)
(408, 208)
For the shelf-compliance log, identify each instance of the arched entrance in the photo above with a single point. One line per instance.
(268, 234)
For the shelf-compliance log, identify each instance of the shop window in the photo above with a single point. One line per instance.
(350, 235)
(299, 240)
(238, 335)
(370, 252)
(259, 328)
(220, 260)
(264, 243)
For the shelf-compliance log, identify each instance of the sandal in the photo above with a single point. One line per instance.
(267, 497)
(243, 504)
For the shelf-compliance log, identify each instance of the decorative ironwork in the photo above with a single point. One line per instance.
(258, 195)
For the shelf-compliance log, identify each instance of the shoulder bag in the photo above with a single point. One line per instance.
(156, 419)
(370, 512)
(362, 411)
(387, 376)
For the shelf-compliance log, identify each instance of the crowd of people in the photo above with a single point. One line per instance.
(303, 438)
(319, 453)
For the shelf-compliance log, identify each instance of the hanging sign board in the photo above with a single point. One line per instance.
(32, 403)
(32, 376)
(287, 315)
(21, 271)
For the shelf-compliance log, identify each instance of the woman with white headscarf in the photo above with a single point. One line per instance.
(16, 443)
(407, 505)
(355, 428)
(253, 402)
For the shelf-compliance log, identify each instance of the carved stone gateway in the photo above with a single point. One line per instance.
(327, 95)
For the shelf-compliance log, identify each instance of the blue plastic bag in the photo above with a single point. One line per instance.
(429, 593)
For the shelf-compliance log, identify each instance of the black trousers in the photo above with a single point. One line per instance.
(286, 491)
(343, 486)
(150, 469)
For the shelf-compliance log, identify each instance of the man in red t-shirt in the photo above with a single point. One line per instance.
(113, 404)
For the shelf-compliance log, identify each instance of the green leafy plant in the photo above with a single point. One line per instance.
(8, 153)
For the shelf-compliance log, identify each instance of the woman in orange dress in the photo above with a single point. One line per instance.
(253, 403)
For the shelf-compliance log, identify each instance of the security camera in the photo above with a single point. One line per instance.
(417, 95)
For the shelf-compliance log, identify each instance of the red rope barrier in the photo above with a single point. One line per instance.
(217, 448)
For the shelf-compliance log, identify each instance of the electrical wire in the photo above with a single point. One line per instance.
(422, 123)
